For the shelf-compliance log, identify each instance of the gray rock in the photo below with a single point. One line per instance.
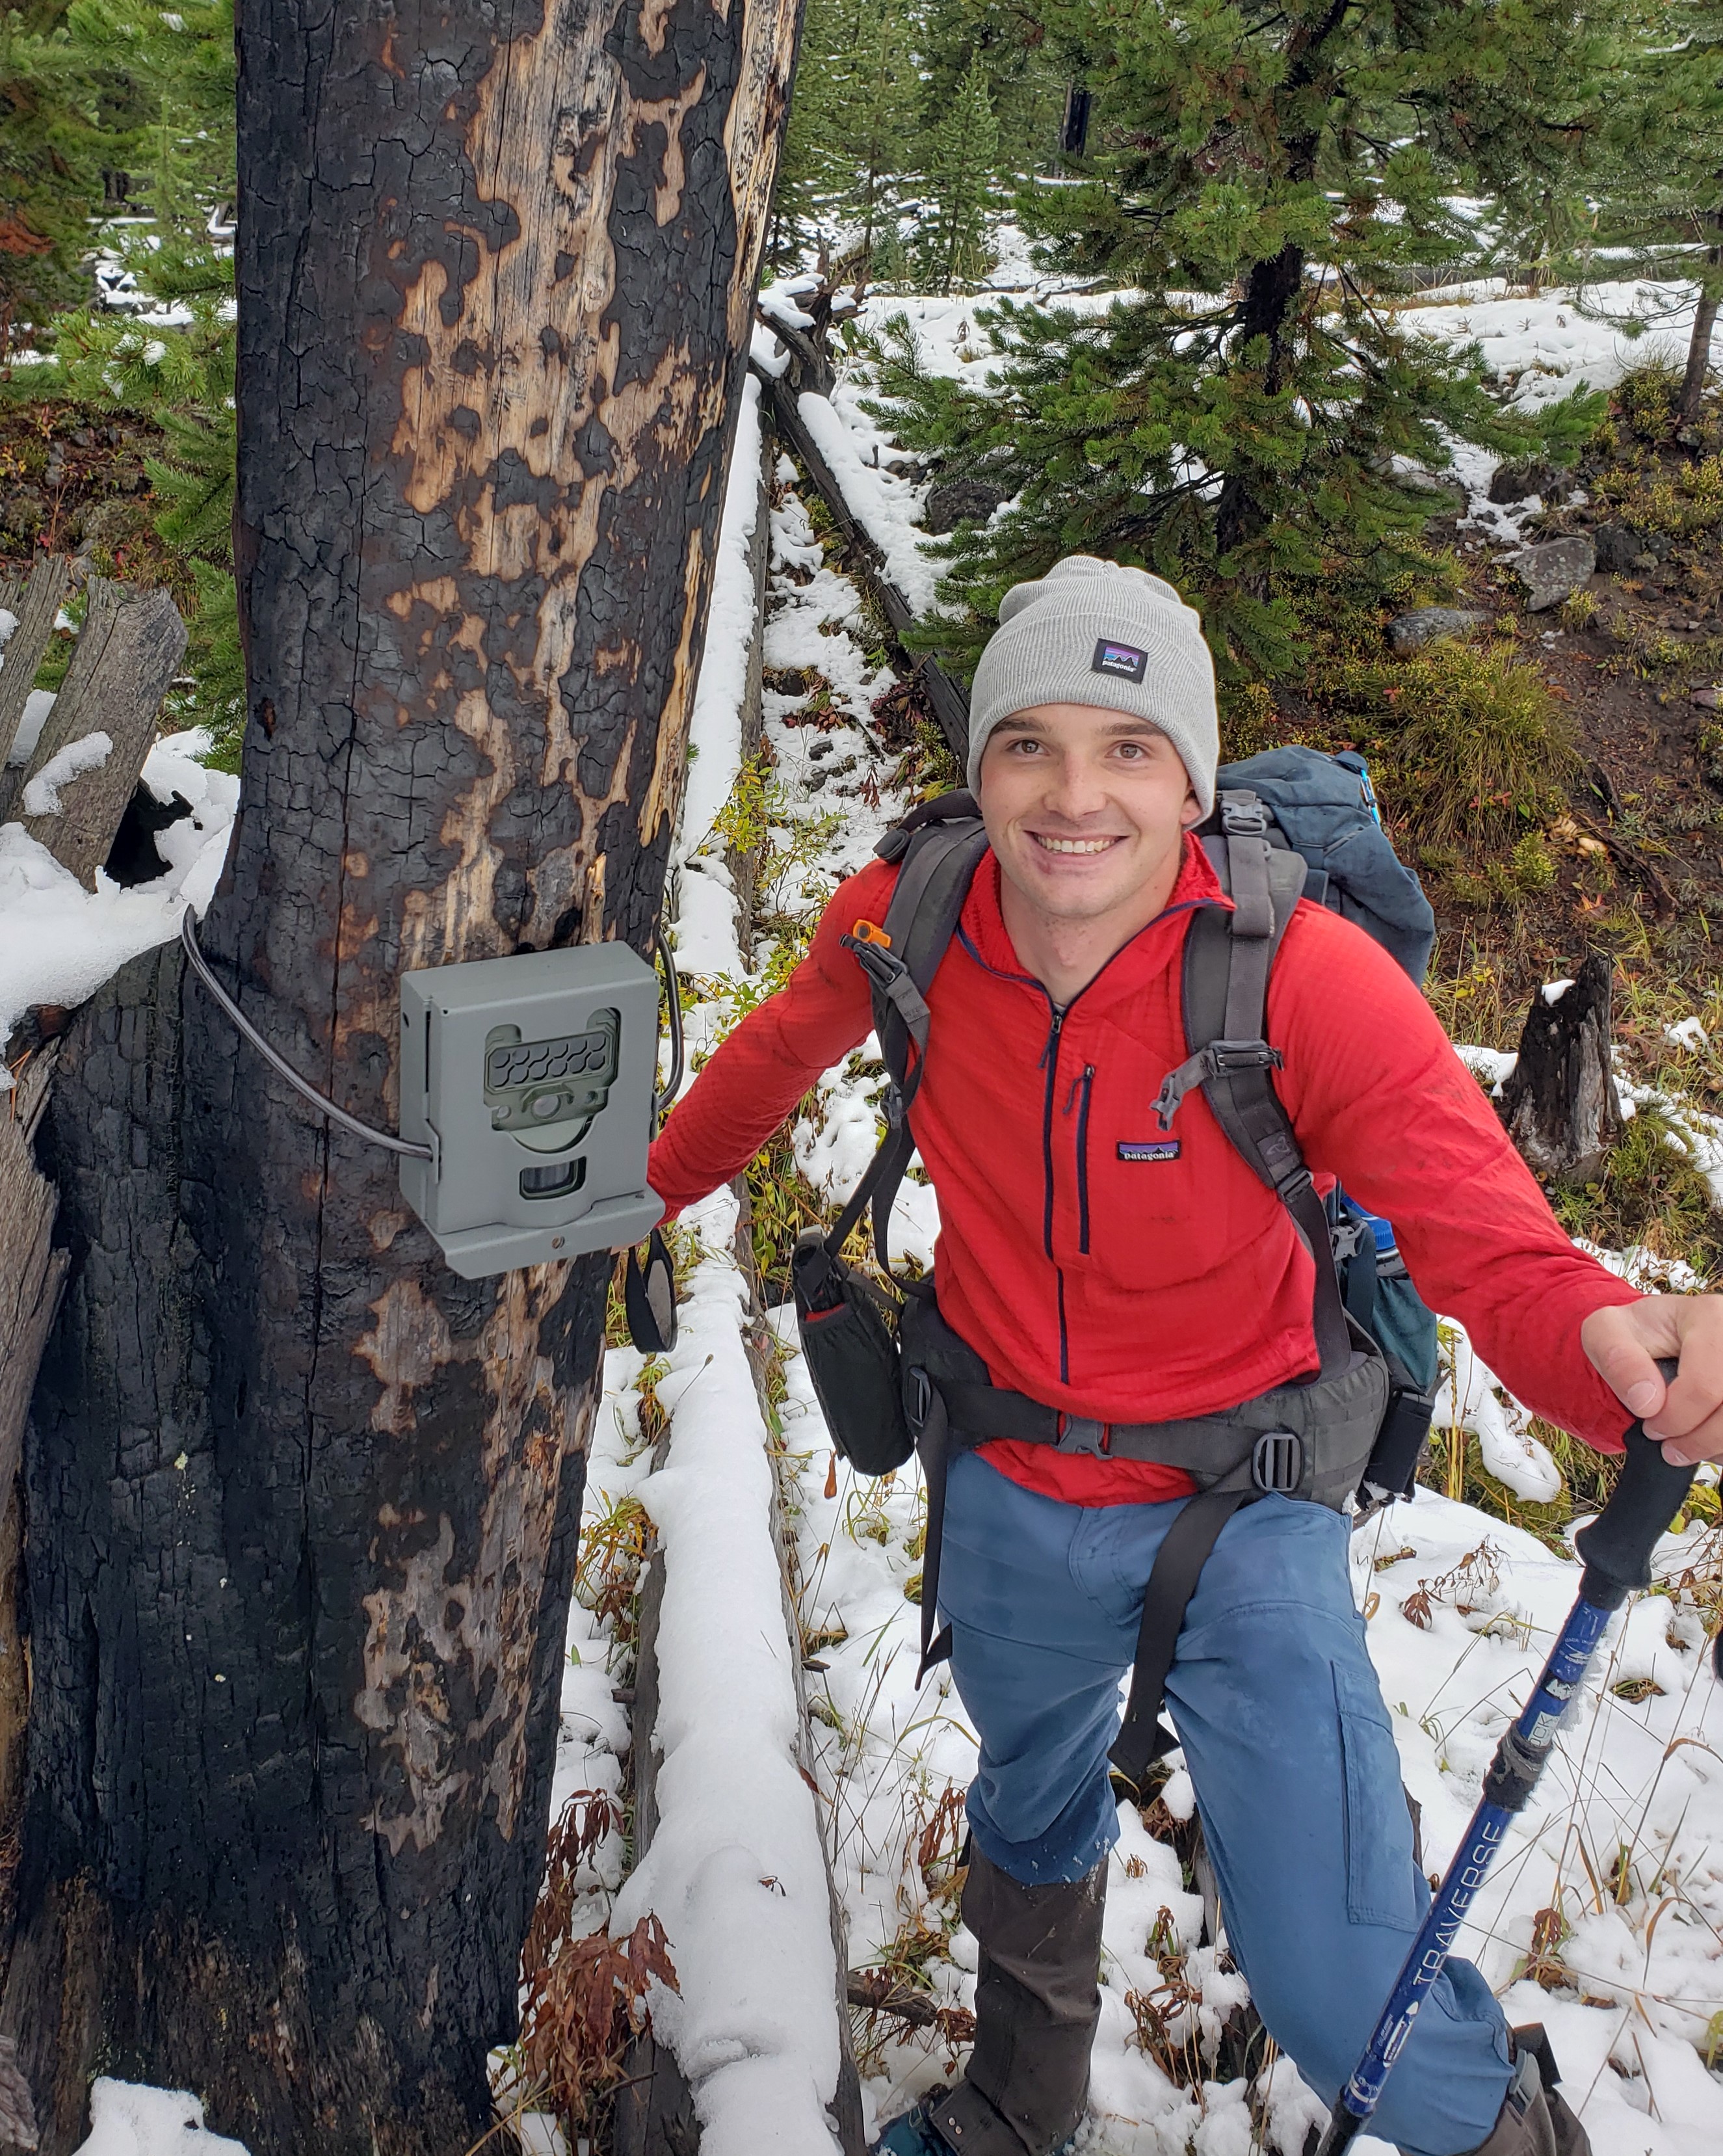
(1422, 625)
(958, 499)
(1617, 548)
(1519, 482)
(1551, 572)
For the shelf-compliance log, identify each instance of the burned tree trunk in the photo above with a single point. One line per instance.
(1559, 1102)
(303, 1503)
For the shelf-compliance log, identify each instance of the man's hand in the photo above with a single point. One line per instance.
(1625, 1343)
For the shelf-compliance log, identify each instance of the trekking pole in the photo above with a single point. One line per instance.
(1616, 1549)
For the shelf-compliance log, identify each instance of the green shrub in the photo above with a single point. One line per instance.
(1481, 749)
(1534, 868)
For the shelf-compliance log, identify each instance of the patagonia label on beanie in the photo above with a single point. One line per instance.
(1123, 661)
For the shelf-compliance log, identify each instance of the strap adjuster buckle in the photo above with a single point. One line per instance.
(1083, 1433)
(1226, 1056)
(1278, 1463)
(919, 1399)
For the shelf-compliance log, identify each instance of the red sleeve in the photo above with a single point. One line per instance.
(762, 1069)
(1381, 1100)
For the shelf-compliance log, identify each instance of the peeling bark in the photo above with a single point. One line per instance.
(303, 1503)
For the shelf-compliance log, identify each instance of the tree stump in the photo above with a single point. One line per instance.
(1559, 1103)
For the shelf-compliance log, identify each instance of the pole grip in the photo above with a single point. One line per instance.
(1616, 1548)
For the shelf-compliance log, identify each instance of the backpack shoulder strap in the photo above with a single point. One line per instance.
(939, 847)
(1229, 957)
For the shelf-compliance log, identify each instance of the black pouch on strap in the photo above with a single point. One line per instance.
(848, 1333)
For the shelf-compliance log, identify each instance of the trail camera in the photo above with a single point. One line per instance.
(532, 1079)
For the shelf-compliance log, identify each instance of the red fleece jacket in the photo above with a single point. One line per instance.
(1134, 1290)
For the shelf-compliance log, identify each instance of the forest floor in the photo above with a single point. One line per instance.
(1604, 1920)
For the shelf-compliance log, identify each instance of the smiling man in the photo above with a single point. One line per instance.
(1113, 1280)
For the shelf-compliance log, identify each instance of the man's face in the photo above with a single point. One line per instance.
(1084, 807)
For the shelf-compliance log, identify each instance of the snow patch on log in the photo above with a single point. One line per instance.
(127, 2120)
(706, 938)
(735, 1873)
(41, 797)
(58, 943)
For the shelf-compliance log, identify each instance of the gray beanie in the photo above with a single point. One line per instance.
(1092, 632)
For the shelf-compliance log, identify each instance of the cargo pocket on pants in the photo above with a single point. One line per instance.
(1379, 1880)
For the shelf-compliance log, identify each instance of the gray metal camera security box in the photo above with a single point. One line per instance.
(532, 1079)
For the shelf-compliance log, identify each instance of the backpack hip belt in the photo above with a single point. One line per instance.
(1316, 1441)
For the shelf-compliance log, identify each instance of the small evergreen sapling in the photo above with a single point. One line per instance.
(962, 178)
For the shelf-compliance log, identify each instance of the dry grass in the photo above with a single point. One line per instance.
(585, 1998)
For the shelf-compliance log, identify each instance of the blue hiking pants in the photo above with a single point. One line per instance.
(1288, 1745)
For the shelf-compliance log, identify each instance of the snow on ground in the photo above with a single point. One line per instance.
(1623, 1842)
(58, 943)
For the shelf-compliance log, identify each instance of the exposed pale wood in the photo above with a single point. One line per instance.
(37, 606)
(125, 658)
(1559, 1103)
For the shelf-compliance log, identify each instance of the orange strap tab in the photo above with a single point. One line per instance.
(869, 931)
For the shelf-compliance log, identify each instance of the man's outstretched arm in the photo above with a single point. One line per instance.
(1381, 1100)
(762, 1070)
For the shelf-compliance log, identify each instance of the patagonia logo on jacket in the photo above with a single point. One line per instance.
(1123, 661)
(1148, 1149)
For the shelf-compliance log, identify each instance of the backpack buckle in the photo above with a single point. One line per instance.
(1346, 1237)
(1243, 815)
(1083, 1433)
(1278, 1463)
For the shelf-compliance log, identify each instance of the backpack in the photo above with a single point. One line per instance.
(1292, 823)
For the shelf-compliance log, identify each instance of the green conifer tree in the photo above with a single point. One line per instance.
(852, 136)
(1026, 83)
(1263, 175)
(1660, 209)
(54, 145)
(161, 83)
(963, 185)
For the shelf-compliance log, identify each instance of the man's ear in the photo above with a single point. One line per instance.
(1192, 813)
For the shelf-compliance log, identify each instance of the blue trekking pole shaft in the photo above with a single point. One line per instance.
(1616, 1549)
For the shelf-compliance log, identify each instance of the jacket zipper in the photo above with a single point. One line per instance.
(1049, 1064)
(1084, 1085)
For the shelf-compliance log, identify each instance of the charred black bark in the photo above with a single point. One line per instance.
(1559, 1103)
(303, 1503)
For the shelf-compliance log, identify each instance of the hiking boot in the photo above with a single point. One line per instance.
(913, 2134)
(1534, 2120)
